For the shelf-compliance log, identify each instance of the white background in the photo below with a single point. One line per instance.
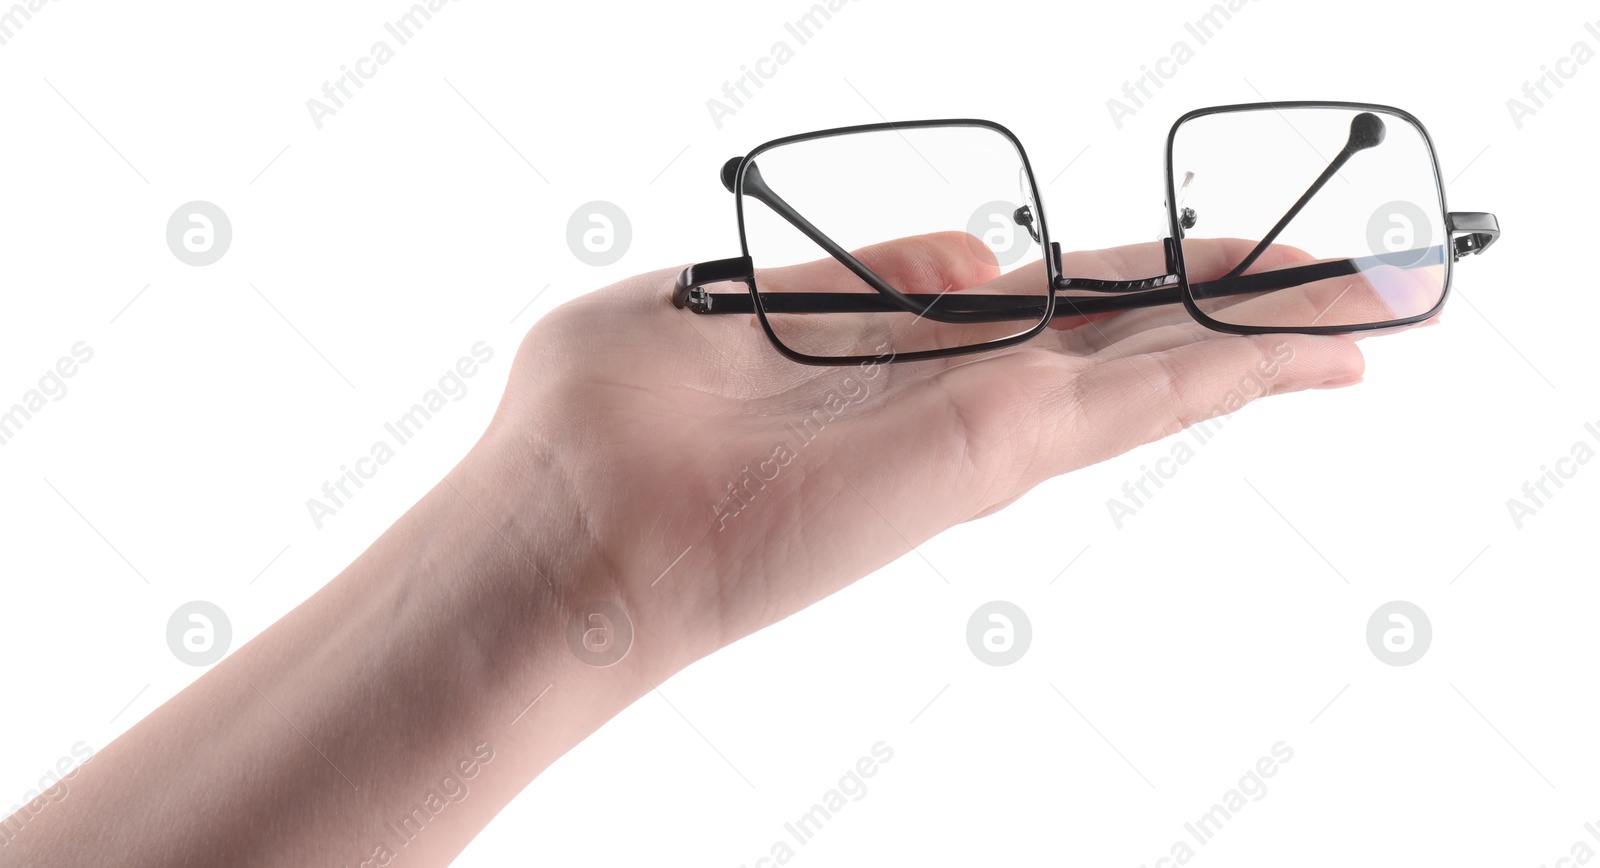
(1228, 615)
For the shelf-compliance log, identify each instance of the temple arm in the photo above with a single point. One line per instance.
(1476, 229)
(756, 188)
(975, 307)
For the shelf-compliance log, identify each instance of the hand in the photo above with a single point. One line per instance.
(683, 440)
(606, 476)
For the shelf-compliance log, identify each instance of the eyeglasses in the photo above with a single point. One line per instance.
(1312, 218)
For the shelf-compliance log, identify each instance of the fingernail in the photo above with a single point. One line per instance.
(1341, 382)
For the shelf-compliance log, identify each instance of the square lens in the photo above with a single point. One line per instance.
(1308, 218)
(894, 241)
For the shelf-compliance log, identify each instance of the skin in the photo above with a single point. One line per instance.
(624, 422)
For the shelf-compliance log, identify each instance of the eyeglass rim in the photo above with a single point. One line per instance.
(1175, 230)
(1479, 229)
(1052, 268)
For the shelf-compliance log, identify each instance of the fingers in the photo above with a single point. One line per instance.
(926, 264)
(1377, 295)
(937, 266)
(933, 263)
(1128, 262)
(1033, 415)
(1097, 332)
(1211, 258)
(1130, 401)
(953, 262)
(1204, 259)
(1383, 294)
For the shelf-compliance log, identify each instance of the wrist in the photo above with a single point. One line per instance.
(555, 590)
(477, 587)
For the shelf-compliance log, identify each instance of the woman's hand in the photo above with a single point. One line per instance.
(726, 487)
(671, 466)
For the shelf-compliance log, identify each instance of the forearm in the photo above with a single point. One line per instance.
(403, 685)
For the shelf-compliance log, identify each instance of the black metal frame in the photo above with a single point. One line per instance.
(1467, 233)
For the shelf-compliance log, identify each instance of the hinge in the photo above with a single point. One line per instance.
(699, 300)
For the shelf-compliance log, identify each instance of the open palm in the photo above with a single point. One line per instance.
(731, 487)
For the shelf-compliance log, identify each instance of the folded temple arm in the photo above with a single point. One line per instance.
(986, 307)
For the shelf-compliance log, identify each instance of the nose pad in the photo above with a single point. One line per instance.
(1024, 217)
(1186, 216)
